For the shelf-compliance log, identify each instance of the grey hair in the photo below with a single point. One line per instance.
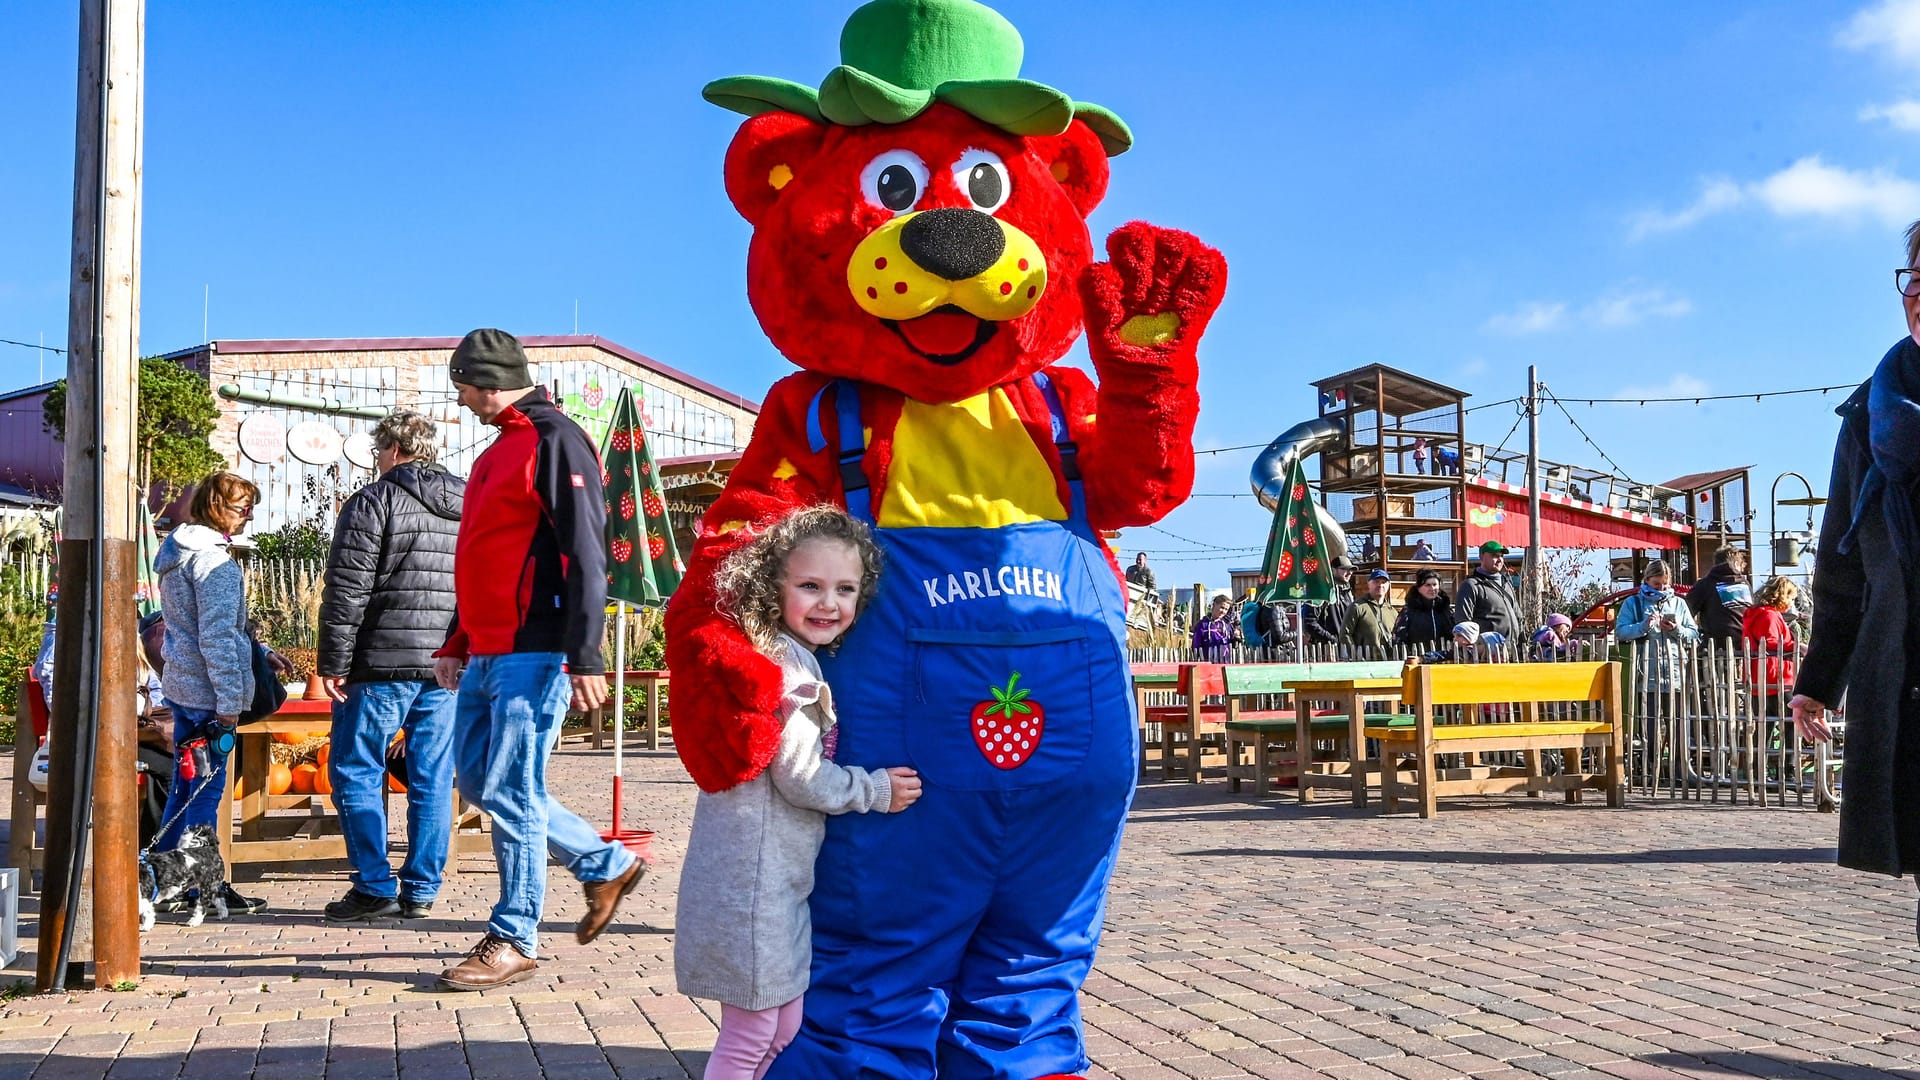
(409, 432)
(1913, 244)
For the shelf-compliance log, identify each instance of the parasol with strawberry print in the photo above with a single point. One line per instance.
(1297, 567)
(643, 563)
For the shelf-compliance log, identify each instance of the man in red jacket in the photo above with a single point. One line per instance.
(530, 584)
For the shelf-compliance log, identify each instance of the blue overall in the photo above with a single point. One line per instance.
(952, 939)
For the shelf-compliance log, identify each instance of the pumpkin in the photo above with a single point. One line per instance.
(289, 736)
(303, 779)
(321, 755)
(279, 778)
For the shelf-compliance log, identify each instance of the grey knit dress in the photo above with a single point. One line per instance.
(742, 933)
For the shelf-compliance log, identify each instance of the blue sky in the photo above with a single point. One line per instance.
(1641, 198)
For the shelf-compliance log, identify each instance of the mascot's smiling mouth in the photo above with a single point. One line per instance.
(947, 335)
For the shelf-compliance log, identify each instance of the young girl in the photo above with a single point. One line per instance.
(1217, 632)
(742, 932)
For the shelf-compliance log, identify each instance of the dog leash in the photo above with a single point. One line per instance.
(168, 824)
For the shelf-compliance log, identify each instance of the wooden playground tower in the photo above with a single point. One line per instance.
(1372, 484)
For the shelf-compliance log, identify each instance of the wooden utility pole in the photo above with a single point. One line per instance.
(91, 813)
(1535, 564)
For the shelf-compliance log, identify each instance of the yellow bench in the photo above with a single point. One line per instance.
(1593, 689)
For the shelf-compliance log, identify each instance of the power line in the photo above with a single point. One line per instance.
(1493, 404)
(31, 345)
(1189, 539)
(1618, 468)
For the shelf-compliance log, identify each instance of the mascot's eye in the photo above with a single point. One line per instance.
(894, 180)
(983, 176)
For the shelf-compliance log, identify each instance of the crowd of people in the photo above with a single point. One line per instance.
(1484, 621)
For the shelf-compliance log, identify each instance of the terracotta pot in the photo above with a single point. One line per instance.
(314, 691)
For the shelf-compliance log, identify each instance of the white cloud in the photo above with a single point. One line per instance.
(1533, 318)
(1476, 365)
(1807, 188)
(1811, 187)
(1904, 115)
(1629, 307)
(1681, 385)
(1891, 25)
(1716, 195)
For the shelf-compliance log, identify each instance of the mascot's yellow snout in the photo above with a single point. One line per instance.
(918, 263)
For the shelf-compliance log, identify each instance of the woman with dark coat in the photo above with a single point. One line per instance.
(1426, 616)
(1870, 579)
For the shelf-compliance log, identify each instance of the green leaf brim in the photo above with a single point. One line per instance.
(853, 98)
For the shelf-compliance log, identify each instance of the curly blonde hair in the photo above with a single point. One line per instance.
(749, 580)
(1778, 593)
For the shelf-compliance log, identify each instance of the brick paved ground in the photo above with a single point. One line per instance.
(1505, 939)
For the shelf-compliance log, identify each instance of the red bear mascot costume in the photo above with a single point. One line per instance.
(920, 251)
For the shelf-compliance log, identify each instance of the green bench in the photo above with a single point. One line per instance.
(1271, 730)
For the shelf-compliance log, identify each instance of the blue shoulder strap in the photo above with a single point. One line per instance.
(1063, 443)
(853, 443)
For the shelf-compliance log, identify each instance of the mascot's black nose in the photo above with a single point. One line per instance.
(954, 244)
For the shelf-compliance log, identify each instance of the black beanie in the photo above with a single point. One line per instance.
(490, 360)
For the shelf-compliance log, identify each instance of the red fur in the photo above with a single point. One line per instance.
(1135, 430)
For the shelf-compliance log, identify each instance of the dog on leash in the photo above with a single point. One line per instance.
(193, 867)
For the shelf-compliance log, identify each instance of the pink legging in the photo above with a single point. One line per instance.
(750, 1038)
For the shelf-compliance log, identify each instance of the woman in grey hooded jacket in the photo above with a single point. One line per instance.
(208, 679)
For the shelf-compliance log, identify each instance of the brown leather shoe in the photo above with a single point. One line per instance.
(603, 897)
(493, 962)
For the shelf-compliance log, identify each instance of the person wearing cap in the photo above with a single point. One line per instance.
(1661, 622)
(1486, 598)
(1553, 640)
(1370, 626)
(530, 592)
(1327, 623)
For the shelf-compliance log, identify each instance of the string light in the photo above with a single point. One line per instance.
(1643, 402)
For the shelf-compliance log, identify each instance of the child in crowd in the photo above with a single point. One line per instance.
(742, 931)
(1554, 641)
(1217, 632)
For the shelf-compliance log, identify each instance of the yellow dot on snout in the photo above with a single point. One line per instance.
(779, 176)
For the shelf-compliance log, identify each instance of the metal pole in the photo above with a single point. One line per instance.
(91, 807)
(1536, 588)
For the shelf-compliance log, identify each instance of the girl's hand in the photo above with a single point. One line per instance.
(906, 788)
(1807, 716)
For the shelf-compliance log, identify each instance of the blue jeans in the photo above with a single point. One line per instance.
(508, 718)
(204, 807)
(363, 726)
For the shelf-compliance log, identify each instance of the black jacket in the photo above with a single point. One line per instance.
(1487, 601)
(1720, 601)
(1327, 623)
(1422, 622)
(389, 593)
(1855, 591)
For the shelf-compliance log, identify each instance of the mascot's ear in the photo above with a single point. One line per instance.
(1078, 162)
(766, 153)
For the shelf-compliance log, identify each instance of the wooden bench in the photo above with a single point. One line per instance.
(1191, 720)
(1266, 731)
(1593, 687)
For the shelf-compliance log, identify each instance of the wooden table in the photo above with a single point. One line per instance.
(652, 682)
(1353, 695)
(317, 835)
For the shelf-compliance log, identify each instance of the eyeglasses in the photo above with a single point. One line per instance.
(1907, 280)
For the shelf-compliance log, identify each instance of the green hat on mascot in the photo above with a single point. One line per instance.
(897, 57)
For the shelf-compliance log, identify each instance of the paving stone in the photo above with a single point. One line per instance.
(1506, 938)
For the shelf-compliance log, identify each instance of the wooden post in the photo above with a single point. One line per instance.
(92, 726)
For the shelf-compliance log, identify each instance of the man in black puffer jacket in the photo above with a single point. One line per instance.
(387, 606)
